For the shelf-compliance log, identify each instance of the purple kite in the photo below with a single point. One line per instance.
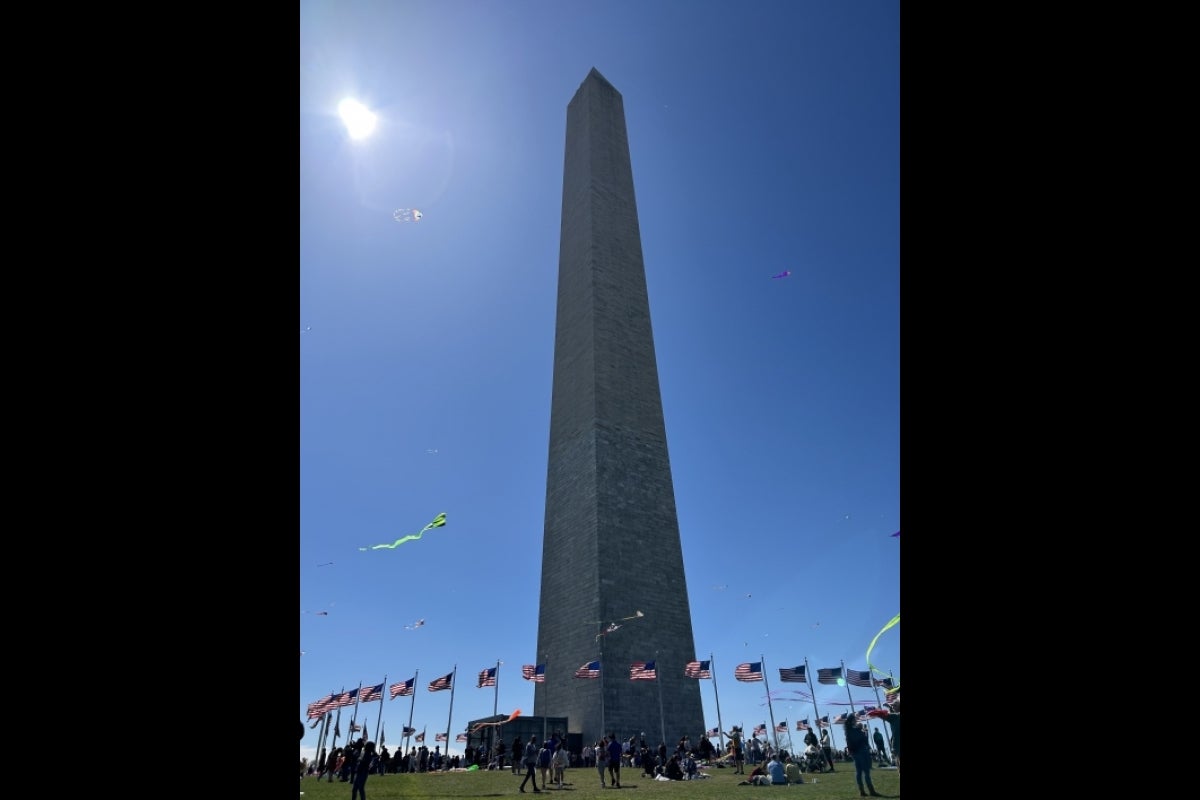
(783, 274)
(897, 533)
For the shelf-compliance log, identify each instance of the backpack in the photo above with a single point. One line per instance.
(544, 757)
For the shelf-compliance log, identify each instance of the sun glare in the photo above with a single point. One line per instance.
(358, 119)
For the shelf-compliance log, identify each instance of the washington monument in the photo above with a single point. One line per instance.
(611, 546)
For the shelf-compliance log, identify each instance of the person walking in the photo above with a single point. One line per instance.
(517, 755)
(531, 757)
(559, 763)
(859, 748)
(614, 759)
(544, 757)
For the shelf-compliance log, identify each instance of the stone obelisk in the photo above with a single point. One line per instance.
(611, 546)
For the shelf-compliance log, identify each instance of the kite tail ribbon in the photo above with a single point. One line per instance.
(871, 646)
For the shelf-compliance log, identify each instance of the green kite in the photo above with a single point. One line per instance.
(438, 522)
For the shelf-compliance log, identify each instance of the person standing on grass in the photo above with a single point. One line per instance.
(826, 750)
(602, 759)
(891, 715)
(859, 748)
(877, 737)
(366, 763)
(517, 754)
(735, 744)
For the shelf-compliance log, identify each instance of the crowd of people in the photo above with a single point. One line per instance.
(549, 761)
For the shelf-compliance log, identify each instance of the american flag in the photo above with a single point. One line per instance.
(420, 737)
(321, 706)
(402, 689)
(372, 693)
(856, 677)
(713, 732)
(462, 737)
(840, 719)
(355, 727)
(487, 678)
(316, 722)
(802, 725)
(781, 727)
(823, 721)
(589, 670)
(697, 669)
(441, 737)
(886, 683)
(536, 674)
(441, 683)
(760, 730)
(346, 699)
(642, 671)
(832, 675)
(792, 674)
(408, 731)
(749, 672)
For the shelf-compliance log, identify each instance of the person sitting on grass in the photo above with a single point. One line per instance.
(775, 770)
(792, 770)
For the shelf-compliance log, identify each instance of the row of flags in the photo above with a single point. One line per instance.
(752, 671)
(803, 725)
(638, 671)
(356, 727)
(368, 694)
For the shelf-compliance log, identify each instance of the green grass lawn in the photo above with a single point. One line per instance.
(722, 785)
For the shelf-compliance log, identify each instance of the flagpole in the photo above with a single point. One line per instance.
(321, 739)
(602, 679)
(662, 721)
(813, 684)
(337, 724)
(357, 697)
(712, 668)
(769, 707)
(494, 730)
(496, 701)
(875, 688)
(536, 707)
(848, 695)
(453, 680)
(408, 729)
(382, 689)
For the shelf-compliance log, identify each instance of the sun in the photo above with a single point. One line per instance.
(358, 119)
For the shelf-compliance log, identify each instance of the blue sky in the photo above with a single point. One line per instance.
(764, 138)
